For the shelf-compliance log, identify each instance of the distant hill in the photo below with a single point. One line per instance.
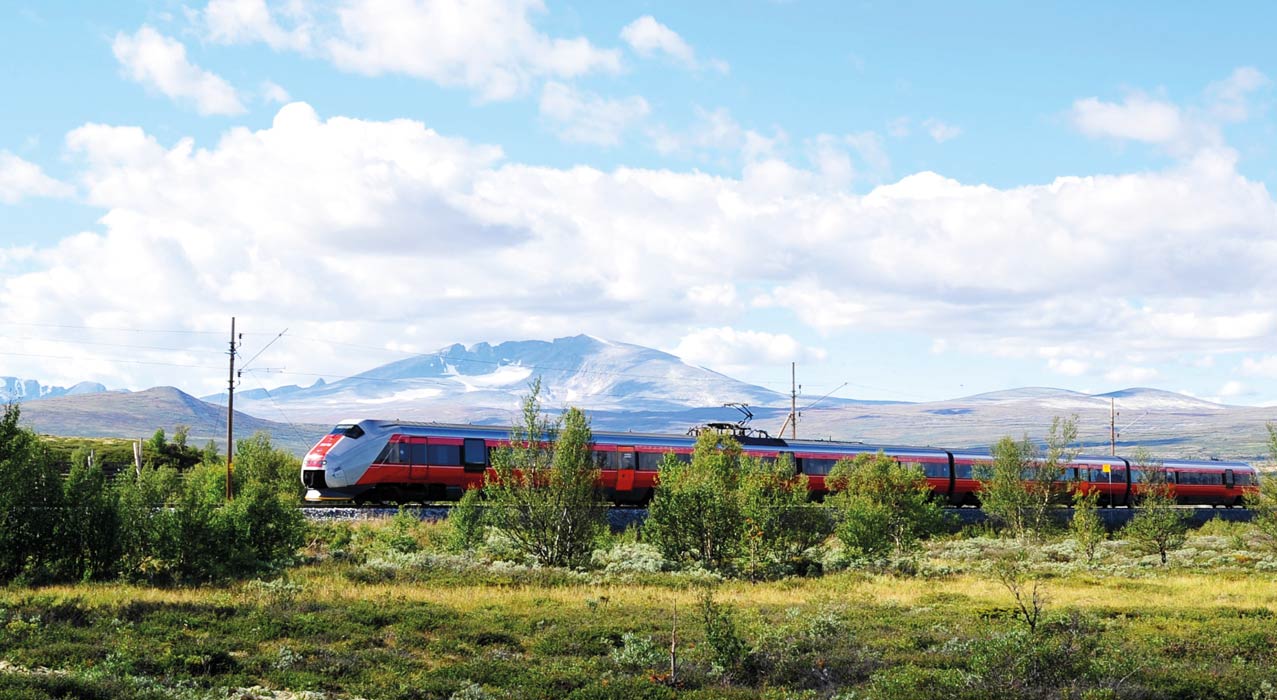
(138, 414)
(629, 387)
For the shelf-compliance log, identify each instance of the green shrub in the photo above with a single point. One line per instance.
(639, 653)
(884, 508)
(30, 501)
(465, 522)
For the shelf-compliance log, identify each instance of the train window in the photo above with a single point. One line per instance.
(626, 459)
(1119, 475)
(476, 453)
(419, 453)
(1082, 474)
(394, 453)
(963, 471)
(604, 460)
(683, 457)
(936, 470)
(349, 430)
(444, 455)
(650, 461)
(818, 466)
(1242, 479)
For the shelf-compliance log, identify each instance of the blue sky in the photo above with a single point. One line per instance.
(920, 200)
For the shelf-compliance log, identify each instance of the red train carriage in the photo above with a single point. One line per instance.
(392, 461)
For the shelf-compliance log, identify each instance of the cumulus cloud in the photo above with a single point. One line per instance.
(20, 179)
(726, 349)
(160, 63)
(1229, 99)
(352, 230)
(490, 47)
(583, 117)
(649, 38)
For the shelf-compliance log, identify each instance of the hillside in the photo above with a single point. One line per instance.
(138, 414)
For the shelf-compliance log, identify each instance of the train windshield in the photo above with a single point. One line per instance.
(349, 430)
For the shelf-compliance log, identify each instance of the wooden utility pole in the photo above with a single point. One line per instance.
(230, 414)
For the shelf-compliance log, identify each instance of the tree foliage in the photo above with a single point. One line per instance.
(694, 517)
(1264, 505)
(1158, 527)
(30, 500)
(1086, 527)
(1022, 485)
(884, 507)
(544, 495)
(89, 526)
(727, 511)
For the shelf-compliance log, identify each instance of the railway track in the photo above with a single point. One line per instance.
(621, 517)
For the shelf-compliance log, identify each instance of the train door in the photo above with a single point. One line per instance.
(625, 464)
(1229, 479)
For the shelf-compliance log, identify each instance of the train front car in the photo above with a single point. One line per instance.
(331, 471)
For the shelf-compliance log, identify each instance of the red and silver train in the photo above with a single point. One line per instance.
(382, 461)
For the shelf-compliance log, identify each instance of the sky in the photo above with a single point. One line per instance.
(912, 201)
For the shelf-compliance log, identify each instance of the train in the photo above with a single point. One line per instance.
(383, 461)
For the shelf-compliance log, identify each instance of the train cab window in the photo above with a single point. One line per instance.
(444, 455)
(476, 453)
(349, 430)
(650, 461)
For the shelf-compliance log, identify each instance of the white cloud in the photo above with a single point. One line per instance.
(1229, 99)
(20, 179)
(1067, 366)
(583, 117)
(1265, 366)
(728, 349)
(272, 92)
(1132, 375)
(248, 21)
(159, 62)
(649, 38)
(716, 132)
(1137, 118)
(940, 131)
(1232, 388)
(490, 47)
(330, 226)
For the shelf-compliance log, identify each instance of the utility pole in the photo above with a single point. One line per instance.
(230, 413)
(1113, 426)
(793, 400)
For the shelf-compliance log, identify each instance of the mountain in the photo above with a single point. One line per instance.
(15, 389)
(138, 414)
(484, 383)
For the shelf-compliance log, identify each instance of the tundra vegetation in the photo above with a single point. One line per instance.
(735, 587)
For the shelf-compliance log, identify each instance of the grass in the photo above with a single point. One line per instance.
(427, 625)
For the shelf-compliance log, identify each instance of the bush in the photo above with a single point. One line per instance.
(694, 517)
(465, 522)
(884, 508)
